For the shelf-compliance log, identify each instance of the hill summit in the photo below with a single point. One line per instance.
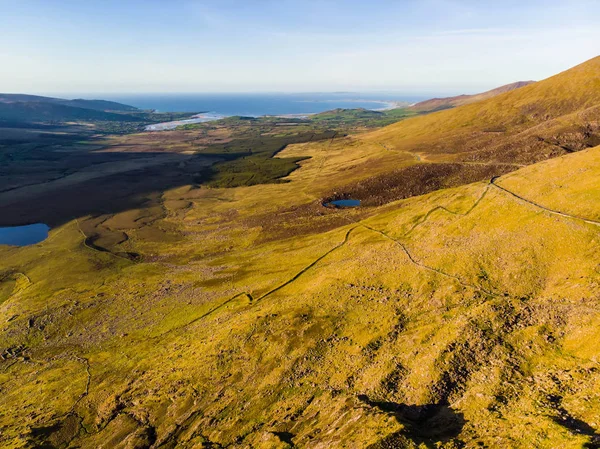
(437, 104)
(34, 108)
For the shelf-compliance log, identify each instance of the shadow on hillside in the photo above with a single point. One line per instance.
(56, 435)
(57, 196)
(53, 178)
(423, 424)
(574, 425)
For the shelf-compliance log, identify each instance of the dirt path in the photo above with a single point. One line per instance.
(539, 206)
(428, 267)
(204, 315)
(420, 157)
(308, 267)
(270, 292)
(416, 156)
(490, 163)
(445, 209)
(404, 248)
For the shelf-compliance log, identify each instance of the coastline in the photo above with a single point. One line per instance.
(197, 118)
(212, 116)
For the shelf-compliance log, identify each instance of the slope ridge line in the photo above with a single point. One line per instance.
(544, 208)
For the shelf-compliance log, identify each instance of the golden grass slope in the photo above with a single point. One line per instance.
(464, 318)
(460, 100)
(540, 121)
(561, 102)
(255, 317)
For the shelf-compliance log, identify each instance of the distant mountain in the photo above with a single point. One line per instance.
(358, 112)
(98, 105)
(437, 104)
(543, 119)
(33, 108)
(50, 112)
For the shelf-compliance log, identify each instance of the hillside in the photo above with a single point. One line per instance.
(457, 307)
(546, 119)
(98, 105)
(43, 112)
(19, 108)
(575, 91)
(437, 104)
(424, 322)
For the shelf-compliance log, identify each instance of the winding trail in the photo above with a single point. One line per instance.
(94, 248)
(416, 156)
(404, 248)
(445, 209)
(428, 267)
(539, 206)
(308, 267)
(419, 157)
(422, 265)
(491, 163)
(270, 292)
(204, 315)
(342, 243)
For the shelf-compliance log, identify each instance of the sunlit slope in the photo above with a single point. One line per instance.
(475, 142)
(555, 108)
(468, 316)
(436, 104)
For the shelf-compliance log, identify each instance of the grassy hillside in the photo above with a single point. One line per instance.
(541, 103)
(45, 112)
(465, 317)
(98, 105)
(437, 104)
(456, 308)
(543, 120)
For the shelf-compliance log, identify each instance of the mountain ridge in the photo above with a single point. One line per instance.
(33, 108)
(99, 105)
(46, 111)
(435, 104)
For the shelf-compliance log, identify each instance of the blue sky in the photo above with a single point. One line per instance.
(422, 46)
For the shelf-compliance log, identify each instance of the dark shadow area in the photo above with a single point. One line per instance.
(53, 178)
(286, 437)
(57, 435)
(574, 425)
(418, 179)
(423, 424)
(64, 197)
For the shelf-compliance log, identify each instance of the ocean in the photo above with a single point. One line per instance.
(255, 105)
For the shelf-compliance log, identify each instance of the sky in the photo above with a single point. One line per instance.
(410, 46)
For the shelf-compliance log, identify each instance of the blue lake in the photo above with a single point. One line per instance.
(345, 203)
(24, 235)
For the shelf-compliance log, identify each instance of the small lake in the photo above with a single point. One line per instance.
(24, 235)
(344, 203)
